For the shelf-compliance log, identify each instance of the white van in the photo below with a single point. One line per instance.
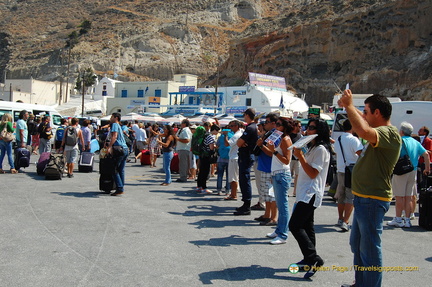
(417, 113)
(15, 108)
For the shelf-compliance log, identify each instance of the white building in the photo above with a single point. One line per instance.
(147, 96)
(33, 91)
(103, 90)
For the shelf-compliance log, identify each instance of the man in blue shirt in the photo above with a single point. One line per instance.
(118, 142)
(21, 129)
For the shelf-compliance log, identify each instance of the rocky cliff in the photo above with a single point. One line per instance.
(376, 46)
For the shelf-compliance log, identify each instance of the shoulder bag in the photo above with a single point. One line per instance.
(404, 164)
(5, 135)
(348, 168)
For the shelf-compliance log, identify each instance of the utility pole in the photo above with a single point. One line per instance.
(67, 74)
(216, 90)
(83, 92)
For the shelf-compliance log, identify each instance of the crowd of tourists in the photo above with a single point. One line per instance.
(366, 158)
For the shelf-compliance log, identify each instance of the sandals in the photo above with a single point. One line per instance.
(229, 197)
(2, 171)
(13, 171)
(164, 184)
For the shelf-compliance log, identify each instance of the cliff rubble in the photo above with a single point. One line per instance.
(376, 46)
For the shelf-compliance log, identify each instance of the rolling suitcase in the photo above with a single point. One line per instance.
(175, 164)
(425, 208)
(22, 158)
(145, 157)
(42, 163)
(85, 163)
(55, 166)
(107, 171)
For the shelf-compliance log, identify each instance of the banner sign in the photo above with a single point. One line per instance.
(137, 102)
(235, 110)
(154, 101)
(277, 83)
(186, 89)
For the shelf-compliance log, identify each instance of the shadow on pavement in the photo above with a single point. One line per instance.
(81, 194)
(209, 223)
(254, 272)
(230, 241)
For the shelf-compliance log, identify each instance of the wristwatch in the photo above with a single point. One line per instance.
(275, 152)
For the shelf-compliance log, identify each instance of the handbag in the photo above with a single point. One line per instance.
(6, 136)
(348, 168)
(118, 151)
(404, 164)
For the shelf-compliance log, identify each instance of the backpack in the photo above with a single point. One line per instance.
(71, 136)
(197, 144)
(32, 127)
(60, 133)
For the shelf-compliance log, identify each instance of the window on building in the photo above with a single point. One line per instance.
(248, 102)
(104, 87)
(140, 93)
(191, 100)
(124, 93)
(104, 93)
(158, 93)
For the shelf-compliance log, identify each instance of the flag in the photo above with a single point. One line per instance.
(146, 90)
(281, 105)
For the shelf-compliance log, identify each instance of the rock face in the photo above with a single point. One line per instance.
(376, 46)
(378, 49)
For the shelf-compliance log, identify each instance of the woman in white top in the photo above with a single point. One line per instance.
(310, 190)
(281, 177)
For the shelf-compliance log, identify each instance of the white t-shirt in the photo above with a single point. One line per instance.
(233, 153)
(184, 134)
(319, 158)
(140, 135)
(350, 145)
(135, 128)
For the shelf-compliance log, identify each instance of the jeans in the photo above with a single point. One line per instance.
(281, 184)
(44, 145)
(167, 157)
(119, 176)
(245, 162)
(302, 228)
(6, 148)
(222, 167)
(365, 239)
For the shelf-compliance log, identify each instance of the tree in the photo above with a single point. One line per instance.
(85, 27)
(86, 79)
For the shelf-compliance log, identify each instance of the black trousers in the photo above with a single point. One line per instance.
(301, 226)
(204, 171)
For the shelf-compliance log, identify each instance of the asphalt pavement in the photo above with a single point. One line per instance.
(68, 233)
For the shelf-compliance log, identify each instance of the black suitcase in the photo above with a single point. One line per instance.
(425, 208)
(107, 171)
(22, 158)
(55, 166)
(85, 163)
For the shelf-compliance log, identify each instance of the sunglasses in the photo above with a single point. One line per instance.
(312, 128)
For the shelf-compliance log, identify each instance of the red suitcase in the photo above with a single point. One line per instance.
(145, 157)
(175, 164)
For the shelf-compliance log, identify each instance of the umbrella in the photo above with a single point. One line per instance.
(132, 117)
(176, 119)
(226, 120)
(152, 118)
(199, 119)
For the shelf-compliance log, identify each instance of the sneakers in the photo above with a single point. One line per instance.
(206, 191)
(277, 241)
(344, 226)
(397, 222)
(407, 223)
(412, 217)
(271, 235)
(118, 192)
(339, 223)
